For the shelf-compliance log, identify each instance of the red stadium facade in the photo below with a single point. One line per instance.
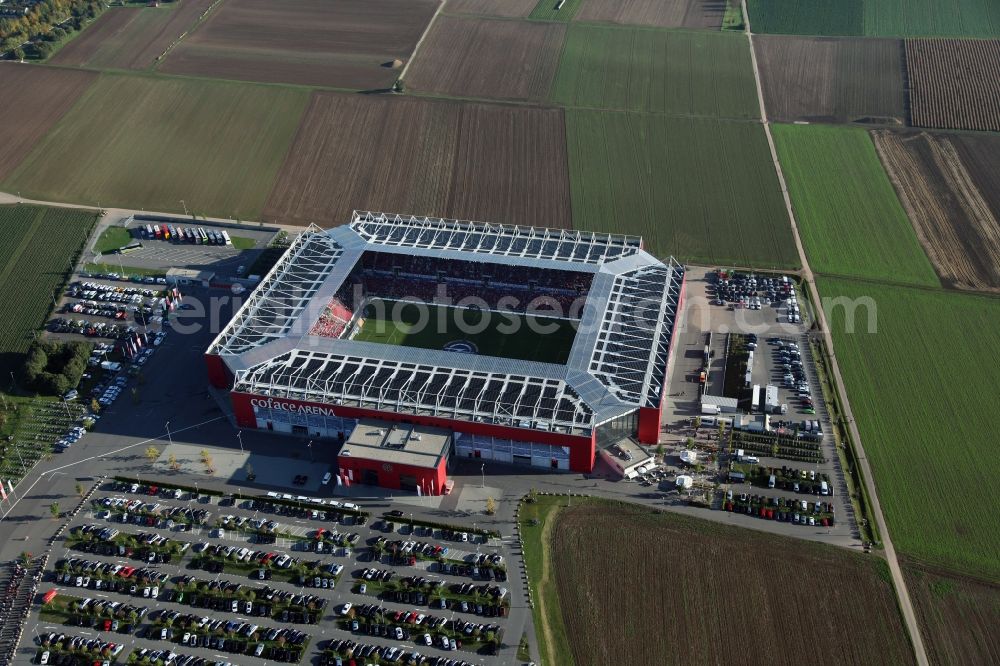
(292, 366)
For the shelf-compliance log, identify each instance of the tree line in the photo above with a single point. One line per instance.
(45, 22)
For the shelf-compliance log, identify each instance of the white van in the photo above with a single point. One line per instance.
(771, 481)
(327, 477)
(824, 488)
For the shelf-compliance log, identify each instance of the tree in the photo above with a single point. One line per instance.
(659, 450)
(54, 509)
(491, 506)
(697, 422)
(79, 489)
(95, 406)
(19, 54)
(172, 461)
(152, 454)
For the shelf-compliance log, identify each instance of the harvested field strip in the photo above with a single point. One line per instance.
(696, 188)
(851, 220)
(832, 79)
(954, 83)
(505, 8)
(980, 153)
(546, 9)
(216, 145)
(655, 13)
(957, 615)
(593, 537)
(642, 69)
(35, 99)
(81, 51)
(488, 58)
(413, 155)
(922, 382)
(37, 249)
(952, 219)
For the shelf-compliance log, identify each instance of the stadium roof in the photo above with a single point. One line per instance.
(618, 361)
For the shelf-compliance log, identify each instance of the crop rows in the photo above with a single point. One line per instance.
(955, 83)
(31, 278)
(921, 371)
(602, 554)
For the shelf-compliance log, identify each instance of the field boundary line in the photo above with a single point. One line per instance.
(899, 582)
(545, 581)
(416, 47)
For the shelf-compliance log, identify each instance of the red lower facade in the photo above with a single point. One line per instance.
(425, 480)
(581, 448)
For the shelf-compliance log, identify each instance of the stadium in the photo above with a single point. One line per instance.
(415, 340)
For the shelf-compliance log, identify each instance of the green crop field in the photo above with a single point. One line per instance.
(37, 249)
(923, 390)
(506, 335)
(849, 216)
(149, 142)
(697, 188)
(877, 18)
(546, 10)
(665, 71)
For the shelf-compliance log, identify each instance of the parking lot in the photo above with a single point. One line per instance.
(782, 357)
(156, 569)
(163, 254)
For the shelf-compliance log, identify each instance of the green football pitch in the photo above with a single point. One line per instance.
(503, 334)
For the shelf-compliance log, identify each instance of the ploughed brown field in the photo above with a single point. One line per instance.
(85, 46)
(508, 8)
(409, 155)
(343, 44)
(661, 13)
(952, 218)
(132, 38)
(34, 99)
(954, 83)
(637, 587)
(957, 615)
(832, 79)
(475, 57)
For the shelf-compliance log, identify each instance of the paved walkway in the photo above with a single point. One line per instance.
(902, 594)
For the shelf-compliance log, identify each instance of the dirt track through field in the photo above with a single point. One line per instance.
(899, 582)
(490, 58)
(953, 221)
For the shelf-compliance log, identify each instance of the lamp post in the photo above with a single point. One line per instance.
(309, 446)
(483, 471)
(239, 438)
(170, 438)
(185, 207)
